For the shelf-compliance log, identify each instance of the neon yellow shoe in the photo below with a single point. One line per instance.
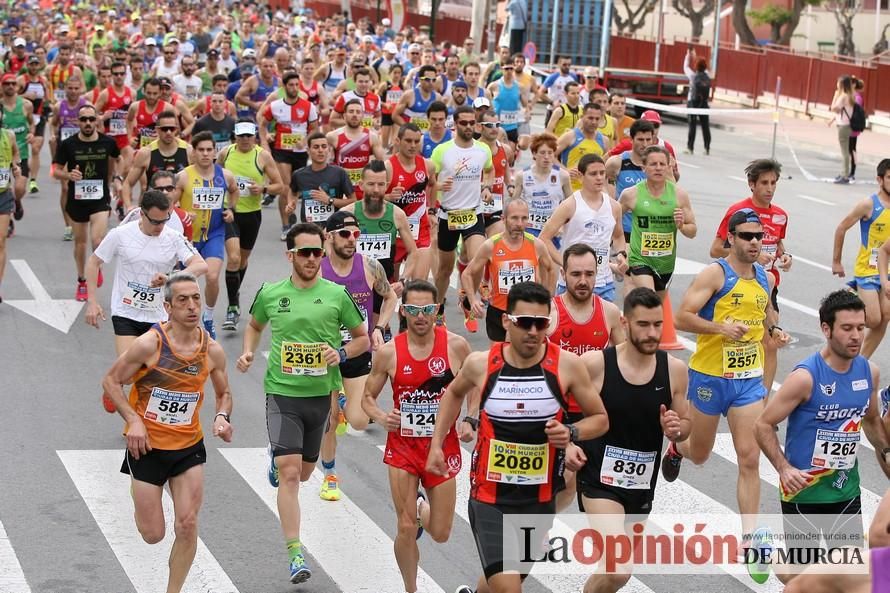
(330, 488)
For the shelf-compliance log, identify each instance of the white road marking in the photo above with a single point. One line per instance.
(810, 262)
(802, 308)
(690, 165)
(59, 314)
(365, 544)
(737, 178)
(817, 200)
(12, 578)
(106, 493)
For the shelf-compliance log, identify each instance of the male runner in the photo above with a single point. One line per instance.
(437, 131)
(35, 88)
(321, 187)
(659, 208)
(568, 114)
(306, 312)
(509, 103)
(626, 169)
(10, 200)
(217, 121)
(461, 164)
(367, 99)
(419, 363)
(209, 194)
(517, 441)
(115, 103)
(644, 393)
(413, 105)
(818, 469)
(18, 117)
(167, 153)
(168, 367)
(590, 217)
(366, 280)
(763, 175)
(258, 87)
(87, 161)
(412, 180)
(142, 115)
(256, 175)
(293, 119)
(509, 258)
(874, 231)
(728, 306)
(552, 91)
(580, 141)
(63, 124)
(618, 111)
(543, 184)
(502, 155)
(354, 143)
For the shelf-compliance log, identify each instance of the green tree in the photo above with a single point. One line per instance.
(782, 21)
(696, 17)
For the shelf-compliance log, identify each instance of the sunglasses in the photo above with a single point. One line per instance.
(167, 128)
(415, 310)
(491, 124)
(308, 251)
(165, 188)
(527, 322)
(169, 53)
(154, 222)
(9, 84)
(465, 122)
(428, 79)
(118, 73)
(749, 235)
(508, 68)
(87, 118)
(346, 233)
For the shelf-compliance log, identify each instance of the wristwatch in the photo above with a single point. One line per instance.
(224, 415)
(474, 422)
(573, 432)
(342, 352)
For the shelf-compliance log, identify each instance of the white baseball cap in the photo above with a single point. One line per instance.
(390, 48)
(151, 41)
(19, 42)
(248, 53)
(245, 127)
(480, 102)
(386, 22)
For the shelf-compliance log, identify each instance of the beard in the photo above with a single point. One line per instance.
(373, 204)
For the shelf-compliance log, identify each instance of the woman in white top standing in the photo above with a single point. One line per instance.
(842, 106)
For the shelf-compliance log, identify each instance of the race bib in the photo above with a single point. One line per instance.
(355, 176)
(5, 177)
(303, 359)
(221, 146)
(508, 276)
(368, 121)
(141, 297)
(394, 97)
(414, 223)
(59, 95)
(316, 211)
(771, 250)
(88, 189)
(418, 419)
(517, 463)
(656, 244)
(602, 256)
(243, 186)
(65, 133)
(511, 117)
(37, 89)
(497, 204)
(422, 123)
(741, 360)
(459, 220)
(873, 258)
(192, 93)
(375, 246)
(537, 216)
(117, 127)
(291, 141)
(148, 136)
(173, 408)
(207, 198)
(835, 449)
(626, 468)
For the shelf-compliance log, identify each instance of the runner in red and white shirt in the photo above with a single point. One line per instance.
(354, 144)
(412, 180)
(419, 363)
(501, 157)
(113, 103)
(626, 144)
(142, 116)
(763, 175)
(580, 321)
(369, 100)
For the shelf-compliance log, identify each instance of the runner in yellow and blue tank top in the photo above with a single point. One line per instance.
(829, 397)
(728, 306)
(584, 139)
(873, 215)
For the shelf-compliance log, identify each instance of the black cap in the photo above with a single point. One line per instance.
(743, 216)
(340, 220)
(212, 53)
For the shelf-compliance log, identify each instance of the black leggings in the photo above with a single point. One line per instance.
(852, 145)
(705, 131)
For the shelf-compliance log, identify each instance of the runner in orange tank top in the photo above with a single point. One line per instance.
(168, 366)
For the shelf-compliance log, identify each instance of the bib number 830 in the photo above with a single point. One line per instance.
(629, 468)
(516, 462)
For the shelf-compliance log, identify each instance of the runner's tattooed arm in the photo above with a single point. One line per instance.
(384, 289)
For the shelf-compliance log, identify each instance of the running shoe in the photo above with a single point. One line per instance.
(464, 589)
(670, 465)
(100, 279)
(330, 488)
(761, 540)
(420, 499)
(268, 199)
(272, 474)
(485, 292)
(19, 211)
(284, 229)
(342, 425)
(885, 400)
(233, 316)
(32, 186)
(470, 322)
(81, 294)
(299, 572)
(208, 325)
(68, 235)
(108, 404)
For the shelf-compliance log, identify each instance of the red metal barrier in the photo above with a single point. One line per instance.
(636, 54)
(739, 71)
(447, 28)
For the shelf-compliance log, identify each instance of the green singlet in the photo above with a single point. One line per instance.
(653, 235)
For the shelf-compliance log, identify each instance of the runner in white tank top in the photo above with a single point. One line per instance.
(595, 228)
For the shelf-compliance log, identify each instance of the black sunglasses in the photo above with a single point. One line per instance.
(167, 128)
(465, 122)
(86, 118)
(749, 235)
(165, 188)
(154, 222)
(527, 322)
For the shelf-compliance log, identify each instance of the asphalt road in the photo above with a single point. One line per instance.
(65, 516)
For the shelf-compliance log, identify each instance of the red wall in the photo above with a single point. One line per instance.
(447, 28)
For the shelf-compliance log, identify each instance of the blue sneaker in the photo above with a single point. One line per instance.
(761, 540)
(299, 572)
(420, 499)
(208, 325)
(273, 469)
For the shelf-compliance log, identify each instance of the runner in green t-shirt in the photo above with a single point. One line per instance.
(660, 208)
(306, 312)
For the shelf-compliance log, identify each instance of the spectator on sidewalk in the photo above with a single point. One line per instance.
(858, 87)
(518, 23)
(699, 93)
(842, 106)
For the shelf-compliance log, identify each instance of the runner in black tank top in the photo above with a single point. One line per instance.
(644, 393)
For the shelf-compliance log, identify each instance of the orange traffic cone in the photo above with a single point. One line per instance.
(668, 333)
